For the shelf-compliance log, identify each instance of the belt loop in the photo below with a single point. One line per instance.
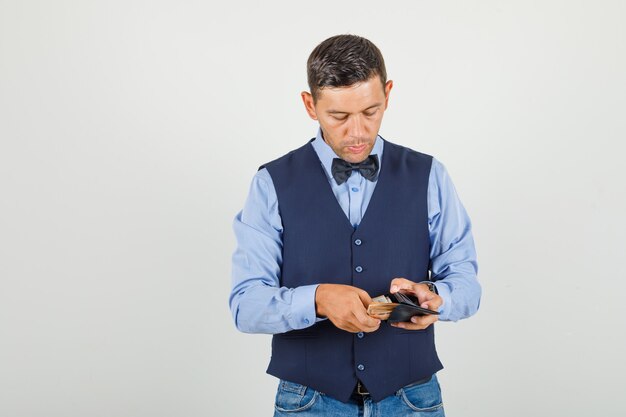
(360, 388)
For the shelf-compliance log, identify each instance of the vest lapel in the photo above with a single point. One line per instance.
(381, 184)
(328, 191)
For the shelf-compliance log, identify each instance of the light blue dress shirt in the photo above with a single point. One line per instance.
(258, 303)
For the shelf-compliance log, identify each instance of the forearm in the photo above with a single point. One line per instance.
(454, 272)
(259, 308)
(461, 296)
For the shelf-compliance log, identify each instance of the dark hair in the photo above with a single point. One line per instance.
(344, 60)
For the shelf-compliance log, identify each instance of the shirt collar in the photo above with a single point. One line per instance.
(326, 154)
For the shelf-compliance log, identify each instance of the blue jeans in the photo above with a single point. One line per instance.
(413, 400)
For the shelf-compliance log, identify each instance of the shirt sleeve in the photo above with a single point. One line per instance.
(257, 302)
(452, 254)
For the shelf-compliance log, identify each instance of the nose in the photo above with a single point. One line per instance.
(356, 128)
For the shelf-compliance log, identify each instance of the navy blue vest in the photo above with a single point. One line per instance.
(321, 246)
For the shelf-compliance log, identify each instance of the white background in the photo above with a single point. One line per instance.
(130, 131)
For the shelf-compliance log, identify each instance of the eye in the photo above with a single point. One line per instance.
(370, 113)
(340, 118)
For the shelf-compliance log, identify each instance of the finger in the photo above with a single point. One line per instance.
(364, 322)
(416, 323)
(410, 326)
(432, 301)
(346, 326)
(365, 298)
(424, 320)
(352, 329)
(398, 284)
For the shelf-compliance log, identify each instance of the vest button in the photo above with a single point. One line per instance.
(360, 335)
(359, 268)
(358, 242)
(360, 367)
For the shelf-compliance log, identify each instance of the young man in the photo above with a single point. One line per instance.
(346, 217)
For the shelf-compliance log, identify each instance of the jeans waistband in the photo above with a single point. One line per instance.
(360, 391)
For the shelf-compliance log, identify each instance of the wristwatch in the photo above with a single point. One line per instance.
(432, 287)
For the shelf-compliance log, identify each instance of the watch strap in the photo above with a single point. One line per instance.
(431, 286)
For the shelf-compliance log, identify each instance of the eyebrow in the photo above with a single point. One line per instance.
(331, 111)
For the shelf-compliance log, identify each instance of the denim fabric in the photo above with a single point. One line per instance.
(413, 400)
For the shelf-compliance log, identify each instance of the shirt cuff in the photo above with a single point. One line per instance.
(446, 307)
(303, 306)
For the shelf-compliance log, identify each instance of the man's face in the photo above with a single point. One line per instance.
(350, 117)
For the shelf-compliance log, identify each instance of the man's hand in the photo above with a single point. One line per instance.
(346, 307)
(426, 298)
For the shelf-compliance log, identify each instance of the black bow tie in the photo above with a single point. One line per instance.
(342, 169)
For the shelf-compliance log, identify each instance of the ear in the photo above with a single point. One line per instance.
(309, 105)
(388, 87)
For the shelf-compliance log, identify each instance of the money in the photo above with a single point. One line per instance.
(381, 307)
(381, 299)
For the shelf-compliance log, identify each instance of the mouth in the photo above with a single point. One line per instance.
(357, 149)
